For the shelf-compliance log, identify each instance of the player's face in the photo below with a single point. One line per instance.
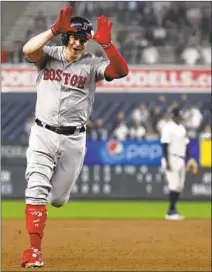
(76, 45)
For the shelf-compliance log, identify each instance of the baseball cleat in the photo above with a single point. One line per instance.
(175, 216)
(32, 258)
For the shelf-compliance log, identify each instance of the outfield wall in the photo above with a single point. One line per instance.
(109, 179)
(106, 182)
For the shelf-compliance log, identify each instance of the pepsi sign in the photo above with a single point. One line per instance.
(115, 152)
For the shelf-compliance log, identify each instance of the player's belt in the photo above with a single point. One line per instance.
(61, 130)
(179, 156)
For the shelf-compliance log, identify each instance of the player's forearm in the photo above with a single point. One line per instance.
(36, 43)
(165, 152)
(118, 66)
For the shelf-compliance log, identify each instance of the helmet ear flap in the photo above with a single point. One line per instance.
(64, 39)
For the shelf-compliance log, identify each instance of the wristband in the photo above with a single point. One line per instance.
(54, 31)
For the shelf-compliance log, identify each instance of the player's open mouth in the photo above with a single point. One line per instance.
(77, 49)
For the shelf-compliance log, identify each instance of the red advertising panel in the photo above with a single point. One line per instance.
(144, 78)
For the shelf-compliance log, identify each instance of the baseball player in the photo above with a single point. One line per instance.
(175, 150)
(66, 82)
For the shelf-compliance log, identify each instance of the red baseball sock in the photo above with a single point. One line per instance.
(36, 216)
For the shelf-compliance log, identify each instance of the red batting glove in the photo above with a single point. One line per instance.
(62, 24)
(103, 33)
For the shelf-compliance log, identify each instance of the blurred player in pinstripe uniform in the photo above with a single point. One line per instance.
(175, 142)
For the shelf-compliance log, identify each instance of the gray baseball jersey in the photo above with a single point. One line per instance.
(65, 95)
(65, 91)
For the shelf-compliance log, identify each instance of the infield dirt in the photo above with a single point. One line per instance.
(113, 245)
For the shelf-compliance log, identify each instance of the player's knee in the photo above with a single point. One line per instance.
(56, 200)
(178, 188)
(57, 203)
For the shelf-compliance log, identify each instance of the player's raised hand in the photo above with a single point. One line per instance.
(62, 24)
(103, 33)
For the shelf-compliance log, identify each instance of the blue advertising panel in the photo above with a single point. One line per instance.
(194, 149)
(115, 152)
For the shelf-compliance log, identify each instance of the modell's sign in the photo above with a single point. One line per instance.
(152, 78)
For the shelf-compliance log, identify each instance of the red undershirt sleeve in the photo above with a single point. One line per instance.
(118, 66)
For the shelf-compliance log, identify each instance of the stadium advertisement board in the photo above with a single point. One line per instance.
(109, 152)
(205, 153)
(22, 78)
(109, 181)
(113, 183)
(134, 153)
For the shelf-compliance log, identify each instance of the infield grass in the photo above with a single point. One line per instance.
(110, 210)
